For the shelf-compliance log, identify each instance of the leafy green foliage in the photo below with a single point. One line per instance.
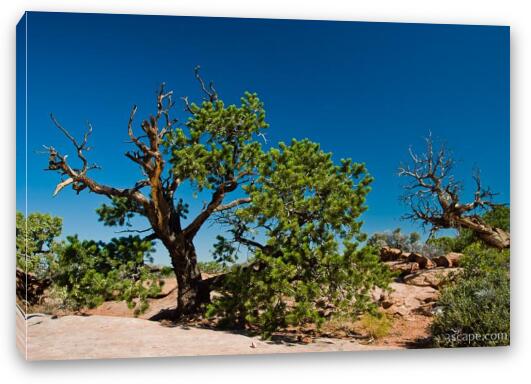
(119, 212)
(475, 309)
(165, 271)
(307, 209)
(454, 244)
(92, 272)
(499, 217)
(35, 242)
(218, 142)
(281, 293)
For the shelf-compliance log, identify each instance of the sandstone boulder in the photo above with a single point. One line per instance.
(454, 258)
(449, 260)
(442, 261)
(423, 261)
(432, 277)
(389, 254)
(405, 299)
(404, 267)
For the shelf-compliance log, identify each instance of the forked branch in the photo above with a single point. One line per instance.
(433, 196)
(78, 177)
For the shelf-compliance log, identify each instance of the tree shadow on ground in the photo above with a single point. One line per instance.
(419, 343)
(169, 314)
(169, 318)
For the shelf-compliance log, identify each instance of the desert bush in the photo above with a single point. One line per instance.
(376, 325)
(406, 242)
(475, 309)
(162, 271)
(212, 267)
(84, 273)
(499, 216)
(281, 293)
(457, 243)
(35, 240)
(92, 272)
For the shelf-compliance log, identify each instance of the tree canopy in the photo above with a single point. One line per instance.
(307, 268)
(292, 207)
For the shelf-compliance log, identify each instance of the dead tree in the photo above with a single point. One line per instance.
(433, 196)
(153, 196)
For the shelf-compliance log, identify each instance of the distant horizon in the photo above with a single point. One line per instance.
(362, 90)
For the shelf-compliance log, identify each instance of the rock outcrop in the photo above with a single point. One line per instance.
(431, 278)
(404, 299)
(403, 267)
(390, 254)
(423, 261)
(30, 289)
(416, 288)
(449, 260)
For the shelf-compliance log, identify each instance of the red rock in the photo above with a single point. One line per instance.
(404, 267)
(423, 261)
(454, 258)
(389, 254)
(406, 299)
(448, 261)
(432, 277)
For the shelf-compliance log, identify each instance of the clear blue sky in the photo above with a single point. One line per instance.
(363, 90)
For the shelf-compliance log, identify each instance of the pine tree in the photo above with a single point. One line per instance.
(307, 267)
(305, 206)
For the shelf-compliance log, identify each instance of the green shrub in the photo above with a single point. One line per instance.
(91, 272)
(212, 267)
(278, 293)
(475, 309)
(35, 240)
(376, 325)
(406, 242)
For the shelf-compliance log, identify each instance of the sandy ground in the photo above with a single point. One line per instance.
(105, 337)
(407, 332)
(168, 300)
(111, 331)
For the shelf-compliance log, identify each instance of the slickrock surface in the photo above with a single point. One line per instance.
(104, 337)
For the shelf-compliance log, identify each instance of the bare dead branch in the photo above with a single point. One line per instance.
(78, 177)
(135, 230)
(142, 146)
(79, 147)
(61, 185)
(433, 195)
(210, 91)
(232, 204)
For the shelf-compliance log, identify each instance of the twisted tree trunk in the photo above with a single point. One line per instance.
(159, 205)
(191, 293)
(433, 196)
(495, 237)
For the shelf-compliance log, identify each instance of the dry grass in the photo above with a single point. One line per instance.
(376, 326)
